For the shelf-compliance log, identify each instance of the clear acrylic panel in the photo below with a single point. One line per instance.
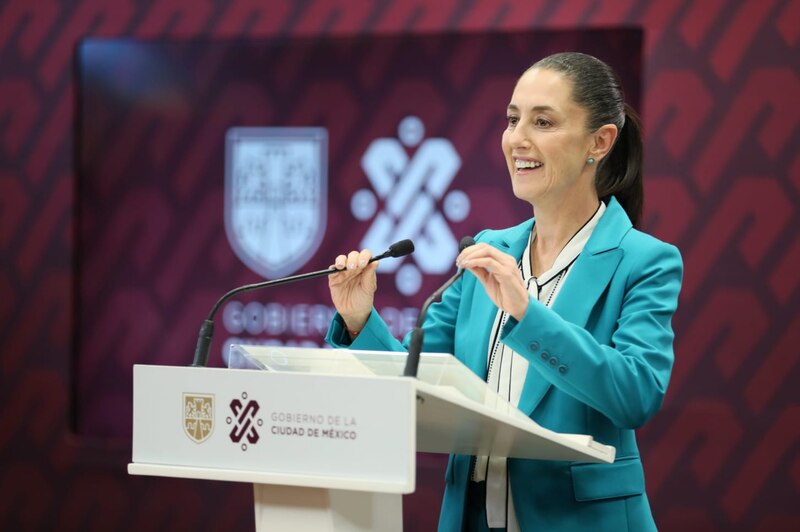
(439, 369)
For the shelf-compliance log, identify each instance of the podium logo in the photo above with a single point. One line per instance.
(198, 416)
(244, 421)
(276, 192)
(416, 202)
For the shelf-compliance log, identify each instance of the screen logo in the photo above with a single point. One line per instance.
(276, 188)
(416, 202)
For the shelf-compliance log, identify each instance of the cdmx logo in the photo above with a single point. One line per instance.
(198, 416)
(244, 421)
(411, 190)
(276, 181)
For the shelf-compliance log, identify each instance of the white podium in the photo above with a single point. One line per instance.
(327, 437)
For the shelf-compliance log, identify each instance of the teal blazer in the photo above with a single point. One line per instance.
(599, 363)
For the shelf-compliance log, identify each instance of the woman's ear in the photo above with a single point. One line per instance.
(604, 139)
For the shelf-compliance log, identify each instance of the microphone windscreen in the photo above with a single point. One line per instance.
(466, 242)
(401, 249)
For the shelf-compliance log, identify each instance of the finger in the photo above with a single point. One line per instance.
(478, 250)
(335, 279)
(372, 266)
(352, 260)
(479, 259)
(502, 260)
(493, 267)
(340, 263)
(341, 278)
(480, 273)
(363, 258)
(471, 250)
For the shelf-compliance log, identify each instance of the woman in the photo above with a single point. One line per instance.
(567, 315)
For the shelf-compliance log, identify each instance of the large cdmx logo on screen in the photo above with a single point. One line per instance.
(410, 188)
(275, 196)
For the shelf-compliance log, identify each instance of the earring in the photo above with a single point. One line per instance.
(590, 160)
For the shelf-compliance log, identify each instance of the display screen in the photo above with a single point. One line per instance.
(205, 165)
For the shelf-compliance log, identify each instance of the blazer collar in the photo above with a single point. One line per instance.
(514, 239)
(608, 234)
(611, 228)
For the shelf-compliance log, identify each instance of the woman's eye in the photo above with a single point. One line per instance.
(541, 122)
(512, 120)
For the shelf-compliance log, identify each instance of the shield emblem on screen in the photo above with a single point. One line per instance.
(198, 416)
(276, 196)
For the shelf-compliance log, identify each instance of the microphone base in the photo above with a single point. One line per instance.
(203, 345)
(414, 352)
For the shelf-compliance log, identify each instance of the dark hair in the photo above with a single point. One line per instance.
(596, 88)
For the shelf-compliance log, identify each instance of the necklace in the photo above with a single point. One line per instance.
(534, 235)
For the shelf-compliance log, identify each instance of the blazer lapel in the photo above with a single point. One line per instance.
(513, 242)
(595, 267)
(483, 316)
(585, 284)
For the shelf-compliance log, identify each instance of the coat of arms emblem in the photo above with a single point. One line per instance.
(275, 196)
(198, 416)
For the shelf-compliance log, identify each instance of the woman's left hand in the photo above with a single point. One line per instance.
(499, 274)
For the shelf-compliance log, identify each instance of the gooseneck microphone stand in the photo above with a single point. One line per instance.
(398, 249)
(418, 334)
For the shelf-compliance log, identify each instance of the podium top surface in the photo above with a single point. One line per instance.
(456, 410)
(437, 369)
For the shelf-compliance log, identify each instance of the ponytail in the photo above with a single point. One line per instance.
(620, 172)
(596, 87)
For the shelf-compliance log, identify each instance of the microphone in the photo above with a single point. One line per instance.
(417, 335)
(398, 249)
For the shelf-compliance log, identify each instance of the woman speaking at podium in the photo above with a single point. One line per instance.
(570, 312)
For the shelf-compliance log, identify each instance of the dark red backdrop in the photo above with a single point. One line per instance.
(721, 116)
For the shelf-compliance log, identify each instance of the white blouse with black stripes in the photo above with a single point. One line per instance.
(506, 369)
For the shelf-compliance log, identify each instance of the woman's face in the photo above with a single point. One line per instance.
(546, 143)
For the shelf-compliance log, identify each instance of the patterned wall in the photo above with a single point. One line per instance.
(720, 89)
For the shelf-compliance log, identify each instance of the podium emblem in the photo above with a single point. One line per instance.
(276, 193)
(198, 416)
(244, 423)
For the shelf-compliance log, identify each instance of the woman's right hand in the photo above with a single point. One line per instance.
(353, 289)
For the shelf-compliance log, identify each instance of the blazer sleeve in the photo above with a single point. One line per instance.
(625, 380)
(374, 336)
(439, 328)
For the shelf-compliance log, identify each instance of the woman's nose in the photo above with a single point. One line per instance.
(519, 136)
